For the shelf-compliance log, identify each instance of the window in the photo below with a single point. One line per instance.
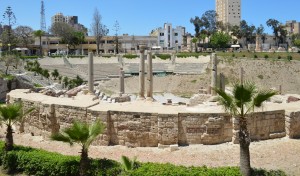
(161, 41)
(161, 34)
(176, 34)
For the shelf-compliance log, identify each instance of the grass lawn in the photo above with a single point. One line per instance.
(269, 55)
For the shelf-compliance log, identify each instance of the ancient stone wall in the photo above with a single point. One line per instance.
(263, 125)
(292, 124)
(138, 129)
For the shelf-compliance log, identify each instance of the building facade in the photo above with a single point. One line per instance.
(127, 44)
(168, 37)
(71, 20)
(229, 11)
(292, 27)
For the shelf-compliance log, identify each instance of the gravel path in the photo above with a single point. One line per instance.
(281, 153)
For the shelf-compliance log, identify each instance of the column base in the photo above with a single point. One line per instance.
(150, 99)
(140, 98)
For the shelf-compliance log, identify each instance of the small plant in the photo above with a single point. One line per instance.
(164, 56)
(260, 76)
(37, 85)
(233, 55)
(194, 81)
(130, 56)
(289, 58)
(128, 164)
(266, 56)
(255, 56)
(244, 55)
(279, 57)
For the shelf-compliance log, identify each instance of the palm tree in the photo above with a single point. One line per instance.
(84, 135)
(244, 98)
(194, 40)
(55, 74)
(9, 115)
(39, 34)
(128, 164)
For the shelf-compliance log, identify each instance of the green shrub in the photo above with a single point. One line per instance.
(233, 55)
(244, 55)
(289, 58)
(266, 56)
(37, 85)
(76, 56)
(255, 56)
(106, 56)
(164, 56)
(130, 56)
(279, 57)
(260, 76)
(185, 55)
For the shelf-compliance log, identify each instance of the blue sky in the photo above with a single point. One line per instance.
(139, 17)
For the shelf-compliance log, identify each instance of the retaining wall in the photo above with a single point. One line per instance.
(138, 129)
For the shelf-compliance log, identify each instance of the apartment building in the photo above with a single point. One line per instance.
(292, 27)
(169, 37)
(229, 11)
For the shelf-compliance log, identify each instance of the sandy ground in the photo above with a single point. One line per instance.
(281, 153)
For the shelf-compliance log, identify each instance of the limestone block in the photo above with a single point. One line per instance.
(173, 147)
(161, 146)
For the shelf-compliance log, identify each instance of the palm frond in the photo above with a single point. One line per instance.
(263, 96)
(61, 137)
(127, 163)
(94, 130)
(227, 101)
(243, 93)
(10, 112)
(78, 132)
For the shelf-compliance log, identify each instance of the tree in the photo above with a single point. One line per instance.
(45, 73)
(80, 37)
(10, 17)
(297, 43)
(274, 24)
(10, 60)
(55, 74)
(194, 40)
(220, 40)
(207, 22)
(244, 98)
(39, 34)
(116, 29)
(82, 134)
(9, 115)
(24, 35)
(98, 29)
(63, 30)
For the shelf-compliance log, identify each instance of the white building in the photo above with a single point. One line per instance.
(168, 37)
(229, 11)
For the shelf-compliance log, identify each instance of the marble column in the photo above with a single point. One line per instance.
(122, 85)
(213, 73)
(142, 75)
(149, 76)
(91, 73)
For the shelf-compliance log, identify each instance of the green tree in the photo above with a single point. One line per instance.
(244, 98)
(297, 43)
(274, 24)
(9, 115)
(220, 40)
(10, 17)
(194, 40)
(45, 73)
(39, 34)
(82, 134)
(55, 74)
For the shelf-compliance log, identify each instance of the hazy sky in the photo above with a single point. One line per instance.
(139, 17)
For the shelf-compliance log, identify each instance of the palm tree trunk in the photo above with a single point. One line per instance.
(84, 162)
(9, 142)
(244, 140)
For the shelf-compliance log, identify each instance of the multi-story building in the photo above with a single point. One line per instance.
(168, 37)
(229, 11)
(71, 20)
(292, 27)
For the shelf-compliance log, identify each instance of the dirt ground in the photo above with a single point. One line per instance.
(281, 153)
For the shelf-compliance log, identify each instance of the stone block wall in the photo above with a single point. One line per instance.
(263, 125)
(292, 124)
(204, 128)
(138, 129)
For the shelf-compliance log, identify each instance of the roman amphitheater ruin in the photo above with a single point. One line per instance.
(151, 121)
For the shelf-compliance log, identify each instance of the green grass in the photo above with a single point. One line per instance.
(267, 55)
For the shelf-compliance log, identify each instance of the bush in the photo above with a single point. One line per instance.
(41, 163)
(164, 56)
(76, 56)
(255, 56)
(266, 56)
(29, 57)
(279, 57)
(289, 58)
(130, 56)
(233, 55)
(185, 55)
